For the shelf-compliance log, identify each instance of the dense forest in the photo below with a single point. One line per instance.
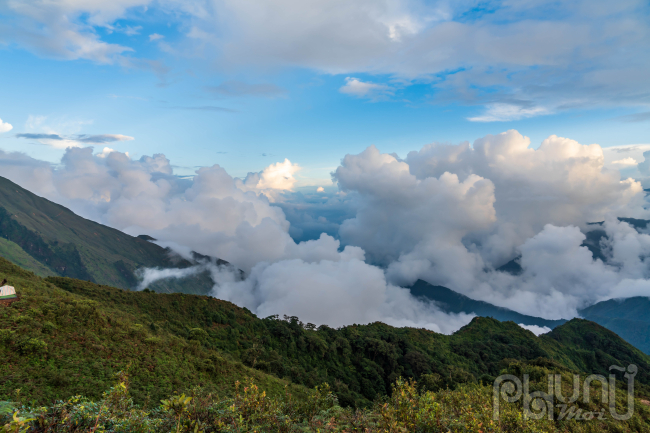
(67, 338)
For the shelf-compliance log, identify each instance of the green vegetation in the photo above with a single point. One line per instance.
(411, 407)
(630, 318)
(49, 239)
(68, 337)
(22, 259)
(54, 344)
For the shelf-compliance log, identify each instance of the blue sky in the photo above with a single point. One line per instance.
(245, 84)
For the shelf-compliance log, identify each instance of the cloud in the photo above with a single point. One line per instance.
(276, 177)
(500, 112)
(230, 218)
(361, 89)
(150, 275)
(155, 37)
(60, 142)
(555, 56)
(320, 189)
(104, 153)
(625, 162)
(452, 214)
(235, 88)
(31, 136)
(537, 330)
(636, 117)
(103, 138)
(333, 292)
(65, 30)
(5, 127)
(449, 214)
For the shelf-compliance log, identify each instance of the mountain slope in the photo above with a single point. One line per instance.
(68, 336)
(55, 344)
(49, 239)
(453, 302)
(629, 318)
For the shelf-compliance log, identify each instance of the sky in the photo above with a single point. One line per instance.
(337, 151)
(245, 84)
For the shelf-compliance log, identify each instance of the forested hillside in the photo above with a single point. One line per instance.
(68, 337)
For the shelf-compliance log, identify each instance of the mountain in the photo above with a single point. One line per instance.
(67, 337)
(629, 318)
(50, 240)
(453, 302)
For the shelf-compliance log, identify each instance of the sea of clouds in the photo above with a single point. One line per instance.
(448, 214)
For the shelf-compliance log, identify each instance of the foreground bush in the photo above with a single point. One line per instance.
(409, 409)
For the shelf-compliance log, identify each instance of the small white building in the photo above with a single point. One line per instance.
(7, 292)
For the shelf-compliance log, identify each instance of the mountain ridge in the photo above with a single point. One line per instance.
(50, 239)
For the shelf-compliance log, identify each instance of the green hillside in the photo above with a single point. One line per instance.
(55, 344)
(49, 239)
(68, 336)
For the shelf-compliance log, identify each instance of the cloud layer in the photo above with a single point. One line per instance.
(516, 59)
(449, 214)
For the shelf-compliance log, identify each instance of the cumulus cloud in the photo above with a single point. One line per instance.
(364, 89)
(453, 214)
(335, 292)
(5, 127)
(276, 177)
(449, 214)
(626, 162)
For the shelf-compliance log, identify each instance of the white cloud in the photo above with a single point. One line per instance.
(537, 330)
(105, 152)
(5, 127)
(155, 37)
(453, 214)
(334, 292)
(54, 29)
(272, 180)
(320, 189)
(361, 89)
(507, 112)
(213, 215)
(625, 162)
(449, 214)
(510, 60)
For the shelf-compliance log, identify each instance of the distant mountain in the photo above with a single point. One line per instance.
(629, 318)
(453, 302)
(51, 240)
